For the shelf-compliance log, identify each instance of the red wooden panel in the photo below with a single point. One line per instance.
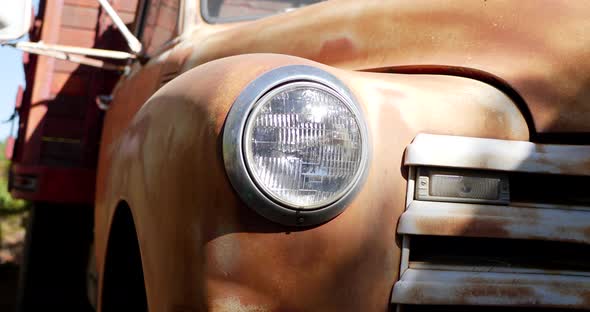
(76, 37)
(26, 58)
(69, 84)
(60, 124)
(62, 128)
(119, 5)
(79, 17)
(175, 4)
(38, 78)
(69, 106)
(128, 6)
(127, 18)
(61, 185)
(83, 3)
(61, 153)
(9, 147)
(19, 96)
(66, 66)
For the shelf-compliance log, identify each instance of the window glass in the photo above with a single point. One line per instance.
(219, 11)
(161, 24)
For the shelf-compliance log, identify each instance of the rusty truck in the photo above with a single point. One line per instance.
(305, 155)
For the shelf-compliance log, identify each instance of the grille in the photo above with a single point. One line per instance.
(530, 252)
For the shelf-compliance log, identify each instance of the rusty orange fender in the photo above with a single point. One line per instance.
(203, 249)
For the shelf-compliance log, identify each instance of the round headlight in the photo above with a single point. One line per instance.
(303, 145)
(295, 145)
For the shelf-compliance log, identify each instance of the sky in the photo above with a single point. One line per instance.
(11, 76)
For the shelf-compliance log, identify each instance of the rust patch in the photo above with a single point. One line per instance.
(472, 292)
(390, 94)
(338, 51)
(466, 226)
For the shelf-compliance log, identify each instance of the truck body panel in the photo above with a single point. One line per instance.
(503, 75)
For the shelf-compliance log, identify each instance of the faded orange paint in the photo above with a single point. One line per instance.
(546, 65)
(202, 246)
(203, 249)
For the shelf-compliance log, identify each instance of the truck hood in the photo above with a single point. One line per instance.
(539, 48)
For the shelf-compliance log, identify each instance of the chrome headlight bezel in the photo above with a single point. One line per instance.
(234, 151)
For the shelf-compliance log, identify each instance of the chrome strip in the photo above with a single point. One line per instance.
(423, 265)
(492, 154)
(439, 287)
(472, 220)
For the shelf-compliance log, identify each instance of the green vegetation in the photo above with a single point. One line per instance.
(8, 205)
(13, 212)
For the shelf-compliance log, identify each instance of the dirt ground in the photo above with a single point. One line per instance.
(12, 235)
(8, 286)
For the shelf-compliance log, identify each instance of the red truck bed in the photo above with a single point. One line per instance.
(55, 154)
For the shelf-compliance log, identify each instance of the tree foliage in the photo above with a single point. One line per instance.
(8, 205)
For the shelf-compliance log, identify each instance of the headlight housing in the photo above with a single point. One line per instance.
(295, 145)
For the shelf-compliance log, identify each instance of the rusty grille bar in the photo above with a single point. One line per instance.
(503, 155)
(470, 287)
(502, 277)
(473, 220)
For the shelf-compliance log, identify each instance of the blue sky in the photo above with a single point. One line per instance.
(11, 76)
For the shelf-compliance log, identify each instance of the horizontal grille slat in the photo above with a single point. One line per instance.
(455, 308)
(438, 287)
(474, 220)
(502, 155)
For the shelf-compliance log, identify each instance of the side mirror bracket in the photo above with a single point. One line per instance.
(134, 45)
(15, 22)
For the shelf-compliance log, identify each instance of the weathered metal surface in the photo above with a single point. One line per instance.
(166, 163)
(490, 154)
(546, 65)
(202, 249)
(471, 287)
(487, 268)
(472, 220)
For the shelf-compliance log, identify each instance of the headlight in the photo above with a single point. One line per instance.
(295, 145)
(303, 145)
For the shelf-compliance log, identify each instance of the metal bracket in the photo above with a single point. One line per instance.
(104, 101)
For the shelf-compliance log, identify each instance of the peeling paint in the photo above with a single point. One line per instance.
(233, 304)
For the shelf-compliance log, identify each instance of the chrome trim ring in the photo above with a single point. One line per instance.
(234, 152)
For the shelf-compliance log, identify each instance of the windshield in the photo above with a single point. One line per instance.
(223, 11)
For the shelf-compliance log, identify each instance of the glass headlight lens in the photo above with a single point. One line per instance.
(303, 145)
